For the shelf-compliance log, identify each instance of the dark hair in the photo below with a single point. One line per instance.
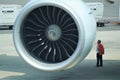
(99, 41)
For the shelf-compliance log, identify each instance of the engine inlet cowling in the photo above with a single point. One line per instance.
(54, 34)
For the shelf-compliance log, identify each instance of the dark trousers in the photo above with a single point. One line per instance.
(99, 60)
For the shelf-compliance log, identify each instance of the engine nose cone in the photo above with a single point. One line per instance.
(53, 32)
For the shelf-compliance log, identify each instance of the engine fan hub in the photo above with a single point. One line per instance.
(53, 32)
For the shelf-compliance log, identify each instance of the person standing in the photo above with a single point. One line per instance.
(100, 52)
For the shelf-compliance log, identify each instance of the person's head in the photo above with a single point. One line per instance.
(99, 41)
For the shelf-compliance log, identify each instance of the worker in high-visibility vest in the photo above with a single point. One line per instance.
(99, 55)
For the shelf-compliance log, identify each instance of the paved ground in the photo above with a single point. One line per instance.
(12, 67)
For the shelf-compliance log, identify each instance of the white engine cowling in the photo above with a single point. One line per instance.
(54, 35)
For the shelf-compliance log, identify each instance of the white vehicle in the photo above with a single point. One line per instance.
(8, 14)
(97, 9)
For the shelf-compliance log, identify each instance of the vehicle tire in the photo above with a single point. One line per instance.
(10, 27)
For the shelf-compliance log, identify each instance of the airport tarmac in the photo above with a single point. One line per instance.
(12, 67)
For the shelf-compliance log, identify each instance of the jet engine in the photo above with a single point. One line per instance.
(54, 35)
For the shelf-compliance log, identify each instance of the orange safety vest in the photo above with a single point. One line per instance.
(101, 49)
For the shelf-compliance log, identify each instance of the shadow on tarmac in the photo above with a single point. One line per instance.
(85, 71)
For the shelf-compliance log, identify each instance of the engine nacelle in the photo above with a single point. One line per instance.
(54, 35)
